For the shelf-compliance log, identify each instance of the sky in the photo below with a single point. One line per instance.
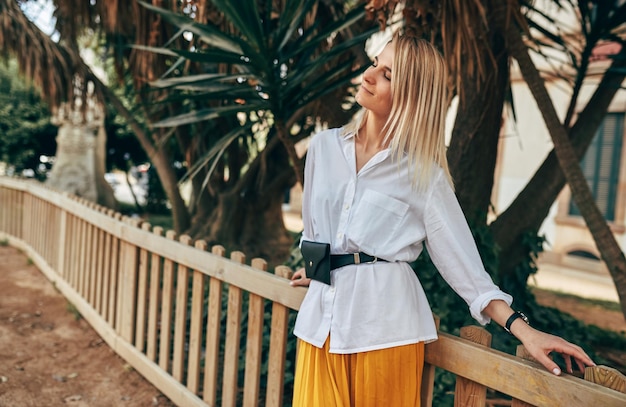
(40, 12)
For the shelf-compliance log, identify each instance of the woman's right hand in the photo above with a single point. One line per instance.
(299, 279)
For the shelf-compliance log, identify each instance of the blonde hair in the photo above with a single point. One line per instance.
(416, 123)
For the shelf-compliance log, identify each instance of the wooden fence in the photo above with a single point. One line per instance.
(187, 318)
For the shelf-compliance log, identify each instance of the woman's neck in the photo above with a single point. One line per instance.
(369, 141)
(370, 136)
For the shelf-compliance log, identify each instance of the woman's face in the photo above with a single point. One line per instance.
(375, 91)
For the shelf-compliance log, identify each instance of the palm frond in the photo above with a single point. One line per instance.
(244, 14)
(50, 66)
(205, 114)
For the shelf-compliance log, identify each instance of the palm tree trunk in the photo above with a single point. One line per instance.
(474, 141)
(160, 160)
(296, 163)
(607, 245)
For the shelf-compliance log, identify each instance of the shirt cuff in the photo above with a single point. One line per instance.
(480, 303)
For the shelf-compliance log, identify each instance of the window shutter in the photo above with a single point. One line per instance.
(601, 165)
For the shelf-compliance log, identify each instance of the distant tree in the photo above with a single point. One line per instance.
(26, 132)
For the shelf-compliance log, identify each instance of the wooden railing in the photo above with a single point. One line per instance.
(179, 314)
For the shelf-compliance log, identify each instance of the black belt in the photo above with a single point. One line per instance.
(340, 260)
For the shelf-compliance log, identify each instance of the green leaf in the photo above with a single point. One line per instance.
(205, 114)
(291, 19)
(185, 80)
(301, 75)
(206, 33)
(304, 44)
(328, 84)
(215, 153)
(215, 56)
(236, 80)
(244, 14)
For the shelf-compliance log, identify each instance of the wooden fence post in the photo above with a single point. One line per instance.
(232, 340)
(254, 343)
(607, 377)
(142, 295)
(428, 379)
(155, 300)
(194, 356)
(62, 241)
(467, 392)
(213, 326)
(180, 316)
(278, 348)
(127, 287)
(167, 306)
(522, 353)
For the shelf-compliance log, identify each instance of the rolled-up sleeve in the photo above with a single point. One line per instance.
(453, 251)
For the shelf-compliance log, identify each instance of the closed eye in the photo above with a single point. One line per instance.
(387, 71)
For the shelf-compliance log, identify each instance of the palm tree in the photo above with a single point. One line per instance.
(59, 72)
(265, 77)
(239, 170)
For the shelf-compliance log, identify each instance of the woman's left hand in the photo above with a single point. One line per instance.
(540, 345)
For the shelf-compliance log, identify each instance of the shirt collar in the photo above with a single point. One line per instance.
(348, 147)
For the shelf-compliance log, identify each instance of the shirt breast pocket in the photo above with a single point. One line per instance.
(376, 220)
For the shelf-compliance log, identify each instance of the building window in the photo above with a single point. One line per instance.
(601, 165)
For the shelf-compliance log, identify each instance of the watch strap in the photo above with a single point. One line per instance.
(512, 318)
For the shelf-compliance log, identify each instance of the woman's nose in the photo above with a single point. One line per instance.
(368, 75)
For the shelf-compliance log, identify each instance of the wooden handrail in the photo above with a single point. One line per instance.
(516, 377)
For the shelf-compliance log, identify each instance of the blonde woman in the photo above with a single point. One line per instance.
(376, 192)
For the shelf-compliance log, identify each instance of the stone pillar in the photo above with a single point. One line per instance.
(79, 163)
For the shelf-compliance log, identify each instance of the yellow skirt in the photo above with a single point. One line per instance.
(388, 377)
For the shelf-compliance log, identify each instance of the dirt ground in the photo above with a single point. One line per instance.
(50, 358)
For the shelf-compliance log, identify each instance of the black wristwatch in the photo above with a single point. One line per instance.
(512, 318)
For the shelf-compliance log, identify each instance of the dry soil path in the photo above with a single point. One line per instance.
(50, 358)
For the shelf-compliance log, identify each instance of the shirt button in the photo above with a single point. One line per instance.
(331, 290)
(347, 207)
(339, 235)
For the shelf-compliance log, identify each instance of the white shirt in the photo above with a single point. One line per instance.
(380, 305)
